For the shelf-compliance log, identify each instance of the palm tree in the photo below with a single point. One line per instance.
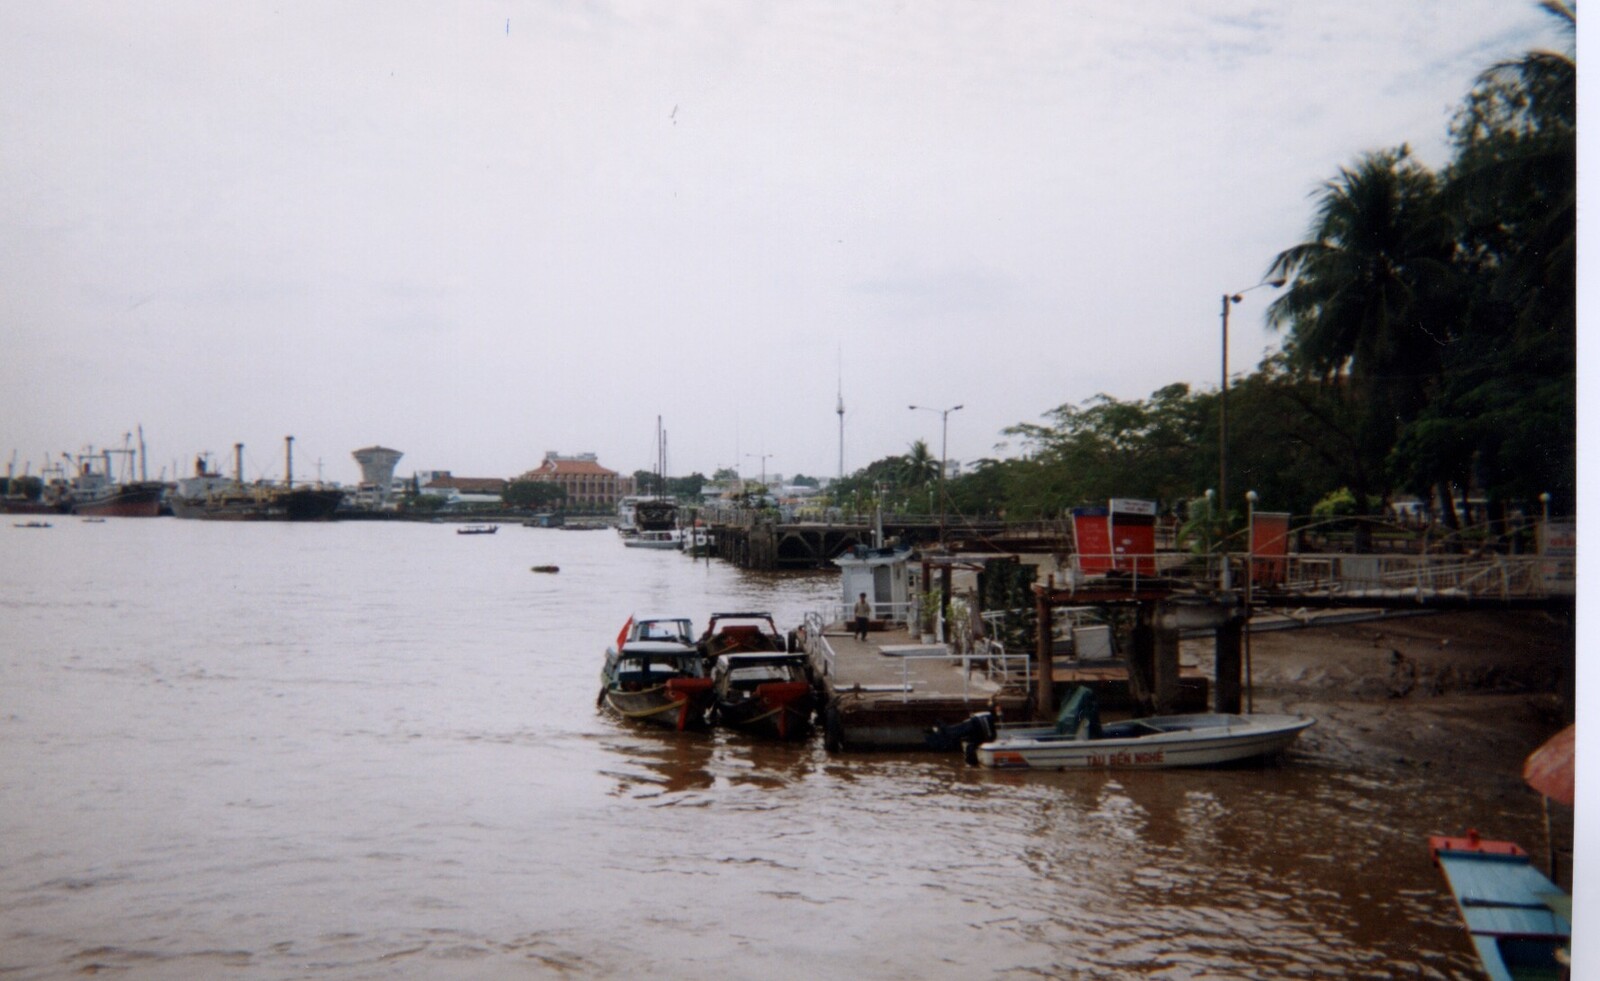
(1507, 409)
(1514, 184)
(920, 466)
(1371, 302)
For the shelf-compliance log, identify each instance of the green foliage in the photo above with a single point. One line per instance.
(533, 494)
(1006, 585)
(648, 482)
(426, 503)
(1343, 503)
(687, 487)
(1202, 529)
(1108, 448)
(1335, 504)
(919, 467)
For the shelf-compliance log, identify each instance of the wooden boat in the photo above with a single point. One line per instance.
(546, 568)
(737, 633)
(1520, 921)
(1079, 741)
(763, 694)
(656, 674)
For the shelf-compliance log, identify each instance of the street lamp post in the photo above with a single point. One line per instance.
(944, 439)
(1228, 300)
(1249, 600)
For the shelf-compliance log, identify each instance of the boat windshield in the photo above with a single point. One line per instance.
(674, 631)
(749, 677)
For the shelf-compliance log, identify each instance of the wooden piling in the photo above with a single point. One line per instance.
(1044, 701)
(1226, 687)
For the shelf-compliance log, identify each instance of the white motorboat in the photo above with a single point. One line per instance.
(670, 539)
(1078, 741)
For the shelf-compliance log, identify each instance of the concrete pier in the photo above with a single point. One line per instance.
(889, 690)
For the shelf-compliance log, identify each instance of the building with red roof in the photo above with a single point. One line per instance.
(588, 485)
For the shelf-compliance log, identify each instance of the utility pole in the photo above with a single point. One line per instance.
(944, 440)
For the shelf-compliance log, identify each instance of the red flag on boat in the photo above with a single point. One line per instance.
(622, 637)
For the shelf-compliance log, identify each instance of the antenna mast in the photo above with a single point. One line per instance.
(840, 410)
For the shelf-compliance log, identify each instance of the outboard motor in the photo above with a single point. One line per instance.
(966, 736)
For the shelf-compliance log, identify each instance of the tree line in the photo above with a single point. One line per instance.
(1429, 346)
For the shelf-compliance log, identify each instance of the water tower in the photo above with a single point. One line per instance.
(377, 468)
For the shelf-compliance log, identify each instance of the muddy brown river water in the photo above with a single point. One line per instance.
(370, 750)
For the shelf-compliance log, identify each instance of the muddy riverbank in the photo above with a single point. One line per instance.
(1462, 697)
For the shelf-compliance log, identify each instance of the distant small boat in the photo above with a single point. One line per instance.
(94, 521)
(672, 539)
(32, 524)
(1079, 741)
(547, 568)
(478, 530)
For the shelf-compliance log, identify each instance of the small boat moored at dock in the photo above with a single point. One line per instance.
(656, 674)
(1079, 741)
(764, 694)
(736, 633)
(664, 539)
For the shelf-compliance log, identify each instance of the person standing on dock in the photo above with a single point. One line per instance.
(863, 614)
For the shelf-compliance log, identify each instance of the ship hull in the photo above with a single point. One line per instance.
(24, 506)
(141, 500)
(302, 504)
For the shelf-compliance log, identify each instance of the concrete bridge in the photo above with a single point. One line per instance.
(758, 540)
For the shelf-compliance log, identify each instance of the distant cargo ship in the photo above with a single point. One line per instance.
(209, 495)
(93, 493)
(138, 499)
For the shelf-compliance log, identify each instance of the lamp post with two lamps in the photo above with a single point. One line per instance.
(763, 457)
(944, 437)
(1228, 300)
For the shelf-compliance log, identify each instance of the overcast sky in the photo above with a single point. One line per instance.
(475, 232)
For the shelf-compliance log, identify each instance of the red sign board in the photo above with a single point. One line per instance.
(1269, 546)
(1092, 533)
(1133, 535)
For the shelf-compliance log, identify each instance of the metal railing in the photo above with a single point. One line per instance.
(993, 661)
(817, 645)
(899, 613)
(998, 665)
(998, 661)
(1491, 577)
